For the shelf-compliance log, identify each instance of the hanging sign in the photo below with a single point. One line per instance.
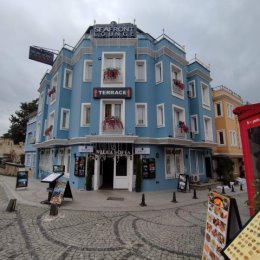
(112, 93)
(223, 223)
(41, 55)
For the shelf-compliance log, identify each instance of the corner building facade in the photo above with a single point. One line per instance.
(120, 95)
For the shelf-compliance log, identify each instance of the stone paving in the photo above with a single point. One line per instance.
(173, 233)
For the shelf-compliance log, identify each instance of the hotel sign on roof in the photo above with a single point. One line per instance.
(114, 30)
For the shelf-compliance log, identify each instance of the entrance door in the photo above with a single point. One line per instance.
(121, 179)
(108, 173)
(208, 167)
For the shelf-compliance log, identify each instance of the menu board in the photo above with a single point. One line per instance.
(58, 168)
(52, 177)
(22, 179)
(183, 182)
(80, 162)
(148, 168)
(222, 223)
(58, 192)
(246, 245)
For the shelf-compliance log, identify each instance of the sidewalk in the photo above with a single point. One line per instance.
(122, 200)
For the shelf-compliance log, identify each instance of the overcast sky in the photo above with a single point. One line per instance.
(223, 33)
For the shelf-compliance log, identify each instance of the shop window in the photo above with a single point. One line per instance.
(141, 115)
(87, 71)
(67, 78)
(159, 72)
(85, 115)
(160, 115)
(140, 70)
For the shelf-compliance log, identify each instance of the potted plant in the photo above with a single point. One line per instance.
(90, 173)
(138, 170)
(225, 168)
(111, 73)
(183, 127)
(178, 83)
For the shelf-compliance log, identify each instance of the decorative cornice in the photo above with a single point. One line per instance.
(204, 144)
(199, 73)
(114, 41)
(43, 85)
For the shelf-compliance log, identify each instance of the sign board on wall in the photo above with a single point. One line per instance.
(112, 93)
(148, 168)
(142, 150)
(85, 149)
(223, 223)
(41, 55)
(114, 30)
(79, 168)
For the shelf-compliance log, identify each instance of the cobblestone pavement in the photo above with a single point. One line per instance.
(31, 233)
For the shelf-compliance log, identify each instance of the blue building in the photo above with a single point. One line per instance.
(121, 95)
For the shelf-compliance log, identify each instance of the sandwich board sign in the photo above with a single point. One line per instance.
(222, 225)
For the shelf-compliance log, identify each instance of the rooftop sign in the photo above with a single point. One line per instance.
(114, 30)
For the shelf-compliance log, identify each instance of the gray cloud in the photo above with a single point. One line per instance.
(224, 34)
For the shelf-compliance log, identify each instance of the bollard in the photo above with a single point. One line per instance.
(174, 197)
(232, 188)
(194, 194)
(54, 210)
(142, 204)
(241, 186)
(11, 205)
(223, 190)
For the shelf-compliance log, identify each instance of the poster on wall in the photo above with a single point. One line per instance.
(79, 169)
(183, 183)
(222, 224)
(246, 244)
(58, 168)
(148, 168)
(22, 179)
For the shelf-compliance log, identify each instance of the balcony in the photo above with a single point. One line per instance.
(112, 75)
(177, 87)
(181, 130)
(112, 125)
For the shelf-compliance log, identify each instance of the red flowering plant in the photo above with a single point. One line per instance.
(112, 123)
(51, 91)
(111, 73)
(178, 83)
(48, 130)
(183, 127)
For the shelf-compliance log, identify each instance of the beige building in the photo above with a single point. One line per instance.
(227, 126)
(10, 151)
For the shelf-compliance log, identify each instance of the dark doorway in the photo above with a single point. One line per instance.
(208, 167)
(108, 173)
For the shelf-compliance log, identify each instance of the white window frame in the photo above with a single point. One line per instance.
(192, 124)
(230, 113)
(84, 107)
(69, 71)
(182, 118)
(113, 102)
(28, 160)
(205, 96)
(170, 157)
(113, 55)
(67, 161)
(87, 73)
(216, 109)
(192, 89)
(38, 132)
(137, 65)
(51, 120)
(54, 80)
(144, 124)
(67, 123)
(160, 115)
(233, 138)
(179, 76)
(218, 137)
(40, 104)
(159, 72)
(208, 137)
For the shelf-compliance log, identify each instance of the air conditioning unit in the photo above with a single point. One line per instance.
(195, 178)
